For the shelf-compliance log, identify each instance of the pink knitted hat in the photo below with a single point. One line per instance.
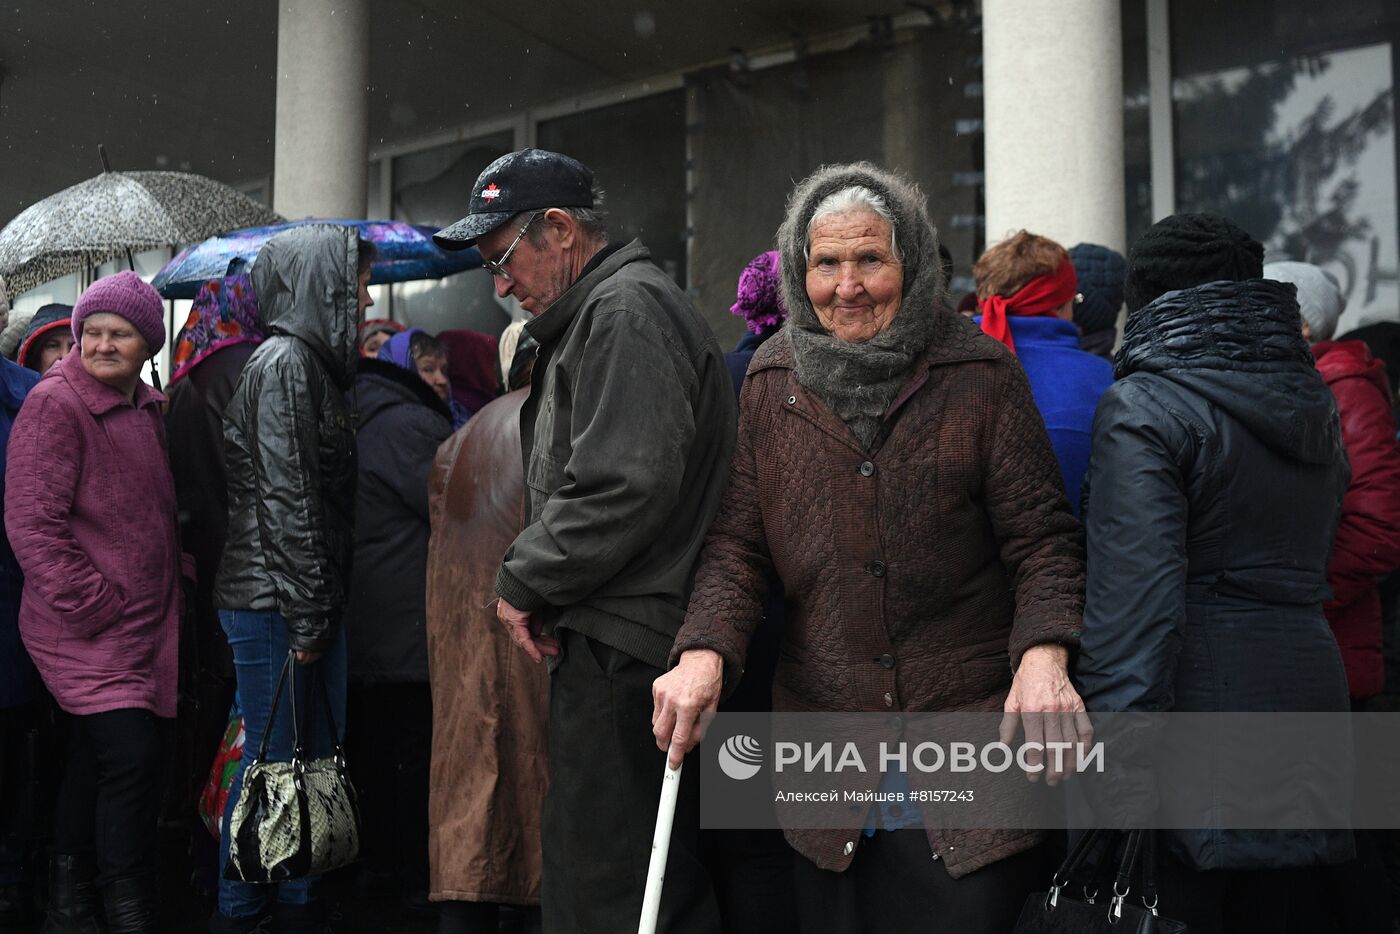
(126, 295)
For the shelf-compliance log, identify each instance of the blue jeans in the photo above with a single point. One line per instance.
(260, 645)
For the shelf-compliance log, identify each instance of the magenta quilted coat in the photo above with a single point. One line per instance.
(90, 510)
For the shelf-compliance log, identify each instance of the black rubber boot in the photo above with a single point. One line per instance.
(73, 904)
(130, 905)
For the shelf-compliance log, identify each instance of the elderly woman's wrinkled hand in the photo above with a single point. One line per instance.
(1046, 706)
(684, 700)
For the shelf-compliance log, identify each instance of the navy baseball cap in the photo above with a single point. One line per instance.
(527, 180)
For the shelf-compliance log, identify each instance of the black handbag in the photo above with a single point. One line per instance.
(293, 819)
(1059, 911)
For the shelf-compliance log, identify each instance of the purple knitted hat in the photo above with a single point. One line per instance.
(760, 300)
(126, 295)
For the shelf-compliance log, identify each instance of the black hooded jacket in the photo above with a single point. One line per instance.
(1214, 491)
(399, 423)
(289, 443)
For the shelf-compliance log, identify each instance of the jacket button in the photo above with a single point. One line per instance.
(849, 848)
(887, 660)
(889, 699)
(792, 400)
(867, 469)
(876, 568)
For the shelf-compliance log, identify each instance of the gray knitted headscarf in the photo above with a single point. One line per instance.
(859, 381)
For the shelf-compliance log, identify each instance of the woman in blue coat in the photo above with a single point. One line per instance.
(1026, 293)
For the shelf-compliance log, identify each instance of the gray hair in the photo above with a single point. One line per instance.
(592, 222)
(910, 227)
(849, 200)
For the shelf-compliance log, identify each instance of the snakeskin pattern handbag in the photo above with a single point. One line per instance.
(298, 818)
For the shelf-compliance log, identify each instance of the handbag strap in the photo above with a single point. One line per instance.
(319, 675)
(282, 680)
(1149, 870)
(1077, 856)
(1123, 881)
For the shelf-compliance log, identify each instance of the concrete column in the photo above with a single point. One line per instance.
(322, 141)
(1052, 74)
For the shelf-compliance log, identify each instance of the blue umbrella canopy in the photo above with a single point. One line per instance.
(405, 252)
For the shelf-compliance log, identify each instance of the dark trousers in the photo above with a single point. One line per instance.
(604, 785)
(1229, 901)
(390, 733)
(895, 886)
(486, 918)
(109, 800)
(752, 874)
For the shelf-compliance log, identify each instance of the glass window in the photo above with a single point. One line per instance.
(1284, 121)
(431, 188)
(914, 105)
(1137, 142)
(637, 153)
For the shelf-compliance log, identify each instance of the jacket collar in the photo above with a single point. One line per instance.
(555, 320)
(409, 383)
(95, 394)
(955, 340)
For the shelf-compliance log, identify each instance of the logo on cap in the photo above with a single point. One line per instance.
(490, 192)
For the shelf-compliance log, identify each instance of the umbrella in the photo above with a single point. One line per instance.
(405, 252)
(116, 213)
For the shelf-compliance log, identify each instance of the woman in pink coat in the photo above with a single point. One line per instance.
(90, 511)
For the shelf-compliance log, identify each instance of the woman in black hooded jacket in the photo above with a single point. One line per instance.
(1215, 486)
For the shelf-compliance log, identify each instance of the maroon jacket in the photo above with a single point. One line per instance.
(1367, 546)
(917, 574)
(90, 509)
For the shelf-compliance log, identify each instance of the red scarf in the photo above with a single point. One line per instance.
(1039, 298)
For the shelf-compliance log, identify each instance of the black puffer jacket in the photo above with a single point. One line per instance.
(400, 422)
(288, 440)
(1214, 490)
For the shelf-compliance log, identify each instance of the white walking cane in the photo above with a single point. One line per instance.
(660, 846)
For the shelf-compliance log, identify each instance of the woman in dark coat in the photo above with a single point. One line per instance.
(400, 421)
(220, 334)
(1215, 485)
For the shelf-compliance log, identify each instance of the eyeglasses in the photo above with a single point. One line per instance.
(498, 267)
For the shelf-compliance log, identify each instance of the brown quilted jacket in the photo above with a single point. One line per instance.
(916, 574)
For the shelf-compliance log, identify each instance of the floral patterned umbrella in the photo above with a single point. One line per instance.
(104, 217)
(404, 253)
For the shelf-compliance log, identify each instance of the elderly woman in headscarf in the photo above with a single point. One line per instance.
(892, 470)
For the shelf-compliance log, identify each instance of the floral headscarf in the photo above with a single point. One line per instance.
(225, 313)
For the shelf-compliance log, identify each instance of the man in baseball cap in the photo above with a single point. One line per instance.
(631, 424)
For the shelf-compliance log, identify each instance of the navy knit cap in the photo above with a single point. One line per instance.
(1187, 250)
(1100, 271)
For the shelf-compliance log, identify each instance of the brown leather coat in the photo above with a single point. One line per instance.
(490, 702)
(916, 574)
